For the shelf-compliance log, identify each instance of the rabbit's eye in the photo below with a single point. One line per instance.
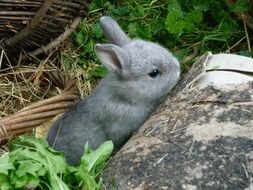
(154, 73)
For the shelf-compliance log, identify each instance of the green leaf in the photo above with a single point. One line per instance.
(17, 181)
(80, 38)
(91, 163)
(29, 167)
(140, 11)
(95, 4)
(177, 22)
(39, 166)
(5, 165)
(120, 11)
(192, 19)
(174, 23)
(33, 182)
(4, 182)
(56, 182)
(88, 181)
(174, 6)
(143, 31)
(24, 181)
(132, 30)
(215, 37)
(96, 29)
(196, 16)
(240, 6)
(99, 72)
(108, 5)
(158, 26)
(43, 154)
(201, 5)
(97, 157)
(32, 157)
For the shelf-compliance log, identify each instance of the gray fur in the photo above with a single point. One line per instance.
(113, 32)
(123, 100)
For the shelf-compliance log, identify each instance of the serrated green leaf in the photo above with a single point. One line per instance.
(174, 23)
(191, 19)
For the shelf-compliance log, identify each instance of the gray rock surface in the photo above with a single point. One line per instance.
(197, 139)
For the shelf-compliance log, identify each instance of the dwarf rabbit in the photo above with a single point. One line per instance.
(140, 74)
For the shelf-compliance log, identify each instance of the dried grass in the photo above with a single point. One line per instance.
(22, 85)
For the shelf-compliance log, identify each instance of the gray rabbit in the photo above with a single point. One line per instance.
(140, 74)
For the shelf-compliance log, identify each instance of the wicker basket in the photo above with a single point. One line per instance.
(42, 111)
(32, 25)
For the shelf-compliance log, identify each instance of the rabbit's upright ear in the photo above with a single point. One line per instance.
(112, 56)
(113, 32)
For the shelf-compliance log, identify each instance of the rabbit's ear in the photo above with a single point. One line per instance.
(113, 32)
(112, 56)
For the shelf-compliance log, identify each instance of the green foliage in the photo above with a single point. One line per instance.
(31, 164)
(179, 21)
(240, 6)
(183, 26)
(92, 164)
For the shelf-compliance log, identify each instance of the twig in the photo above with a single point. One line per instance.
(246, 32)
(58, 40)
(161, 159)
(27, 30)
(175, 126)
(179, 130)
(236, 44)
(1, 58)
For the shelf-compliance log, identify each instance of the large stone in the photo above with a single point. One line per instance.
(200, 138)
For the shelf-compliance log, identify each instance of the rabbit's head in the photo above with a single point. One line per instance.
(144, 70)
